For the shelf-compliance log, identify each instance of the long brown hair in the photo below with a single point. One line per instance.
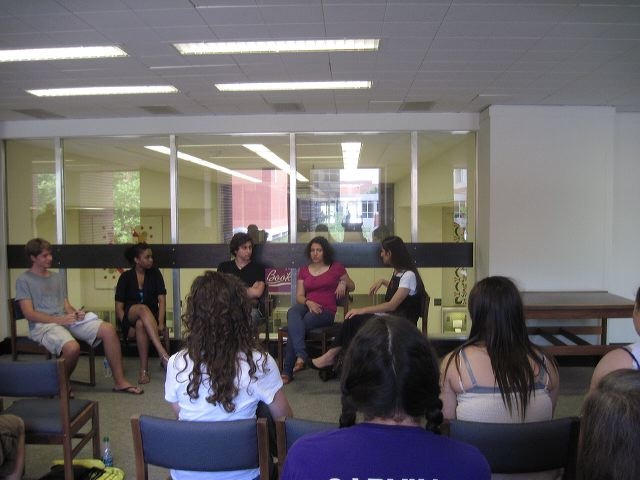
(219, 332)
(498, 324)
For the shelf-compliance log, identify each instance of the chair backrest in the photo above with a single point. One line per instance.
(32, 379)
(200, 446)
(522, 447)
(288, 430)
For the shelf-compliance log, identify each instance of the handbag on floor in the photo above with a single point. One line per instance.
(85, 469)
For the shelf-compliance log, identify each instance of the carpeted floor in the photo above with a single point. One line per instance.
(309, 397)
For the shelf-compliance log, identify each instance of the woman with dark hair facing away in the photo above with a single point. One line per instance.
(498, 375)
(390, 377)
(141, 299)
(609, 447)
(318, 286)
(223, 372)
(403, 298)
(625, 357)
(249, 271)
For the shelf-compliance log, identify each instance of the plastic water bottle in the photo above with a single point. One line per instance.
(107, 368)
(107, 455)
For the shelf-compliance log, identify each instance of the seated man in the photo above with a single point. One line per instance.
(52, 319)
(11, 447)
(251, 273)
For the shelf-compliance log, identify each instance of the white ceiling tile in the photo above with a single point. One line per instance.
(93, 5)
(156, 4)
(184, 17)
(296, 31)
(399, 45)
(241, 32)
(186, 34)
(231, 16)
(36, 7)
(347, 12)
(292, 14)
(508, 13)
(354, 29)
(107, 20)
(416, 12)
(409, 29)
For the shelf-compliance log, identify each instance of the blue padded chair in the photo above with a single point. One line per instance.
(49, 416)
(522, 447)
(200, 446)
(288, 430)
(22, 344)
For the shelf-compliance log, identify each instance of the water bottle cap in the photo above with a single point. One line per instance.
(105, 439)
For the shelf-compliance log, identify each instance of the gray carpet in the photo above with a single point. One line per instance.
(309, 397)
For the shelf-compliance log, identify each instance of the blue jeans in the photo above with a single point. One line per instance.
(299, 321)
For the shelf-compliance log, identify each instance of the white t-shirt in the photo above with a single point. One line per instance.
(408, 281)
(250, 392)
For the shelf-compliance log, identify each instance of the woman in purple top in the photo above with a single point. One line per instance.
(318, 286)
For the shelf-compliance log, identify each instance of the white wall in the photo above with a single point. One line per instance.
(558, 192)
(625, 253)
(549, 199)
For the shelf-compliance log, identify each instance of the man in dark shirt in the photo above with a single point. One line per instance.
(250, 272)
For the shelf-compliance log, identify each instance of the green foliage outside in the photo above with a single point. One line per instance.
(126, 205)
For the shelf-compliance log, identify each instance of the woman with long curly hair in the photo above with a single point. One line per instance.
(498, 375)
(391, 378)
(223, 372)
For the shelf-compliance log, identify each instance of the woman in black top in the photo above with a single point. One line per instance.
(141, 305)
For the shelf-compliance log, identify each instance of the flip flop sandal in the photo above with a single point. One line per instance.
(131, 390)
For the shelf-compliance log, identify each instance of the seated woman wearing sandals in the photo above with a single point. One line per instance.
(140, 305)
(391, 378)
(223, 372)
(404, 296)
(318, 286)
(498, 375)
(625, 357)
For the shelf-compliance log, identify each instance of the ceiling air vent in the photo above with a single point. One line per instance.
(416, 106)
(287, 107)
(160, 110)
(38, 113)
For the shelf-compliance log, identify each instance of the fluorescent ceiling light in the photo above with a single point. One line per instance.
(213, 48)
(273, 159)
(131, 90)
(198, 161)
(459, 132)
(271, 86)
(66, 53)
(351, 154)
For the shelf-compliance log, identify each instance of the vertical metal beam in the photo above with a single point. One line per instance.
(414, 186)
(293, 190)
(293, 206)
(5, 288)
(173, 201)
(58, 154)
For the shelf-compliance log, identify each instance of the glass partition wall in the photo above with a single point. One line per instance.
(352, 188)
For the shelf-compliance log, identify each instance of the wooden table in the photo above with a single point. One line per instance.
(563, 306)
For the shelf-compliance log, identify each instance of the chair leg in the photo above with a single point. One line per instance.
(280, 351)
(92, 367)
(68, 457)
(95, 425)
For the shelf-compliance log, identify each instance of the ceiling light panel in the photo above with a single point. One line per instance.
(273, 159)
(203, 163)
(280, 46)
(279, 86)
(80, 91)
(64, 53)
